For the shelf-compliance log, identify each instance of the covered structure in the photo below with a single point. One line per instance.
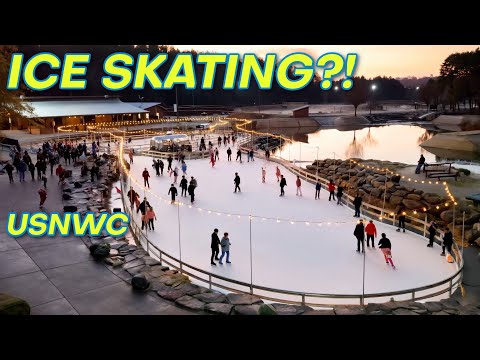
(171, 143)
(51, 112)
(301, 111)
(155, 110)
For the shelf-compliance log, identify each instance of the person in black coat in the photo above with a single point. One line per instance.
(9, 169)
(401, 219)
(447, 241)
(358, 203)
(143, 206)
(237, 183)
(191, 192)
(229, 153)
(386, 246)
(283, 183)
(215, 246)
(161, 165)
(184, 185)
(239, 156)
(156, 165)
(173, 191)
(360, 235)
(169, 160)
(339, 195)
(432, 230)
(31, 168)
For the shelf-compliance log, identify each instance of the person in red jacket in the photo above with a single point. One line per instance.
(331, 188)
(371, 231)
(145, 176)
(299, 185)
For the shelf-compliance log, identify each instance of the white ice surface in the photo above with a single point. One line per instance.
(298, 257)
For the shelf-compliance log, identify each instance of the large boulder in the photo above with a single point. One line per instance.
(219, 309)
(243, 299)
(396, 200)
(412, 204)
(140, 282)
(211, 297)
(414, 197)
(267, 309)
(11, 305)
(190, 303)
(376, 192)
(432, 199)
(247, 309)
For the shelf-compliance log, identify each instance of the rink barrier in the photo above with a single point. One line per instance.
(215, 281)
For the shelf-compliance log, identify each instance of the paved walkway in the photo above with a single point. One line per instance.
(56, 275)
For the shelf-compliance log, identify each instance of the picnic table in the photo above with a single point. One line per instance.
(475, 198)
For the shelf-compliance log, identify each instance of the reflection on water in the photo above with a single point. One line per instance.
(425, 136)
(394, 143)
(355, 148)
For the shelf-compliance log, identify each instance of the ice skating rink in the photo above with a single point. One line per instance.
(317, 258)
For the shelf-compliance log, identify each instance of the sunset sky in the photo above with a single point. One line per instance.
(374, 60)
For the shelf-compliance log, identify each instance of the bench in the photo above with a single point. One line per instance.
(438, 167)
(440, 175)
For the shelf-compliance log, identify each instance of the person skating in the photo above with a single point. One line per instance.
(191, 192)
(216, 155)
(267, 155)
(184, 185)
(283, 183)
(264, 173)
(9, 169)
(447, 241)
(161, 165)
(318, 187)
(219, 139)
(432, 230)
(52, 164)
(44, 179)
(299, 186)
(229, 154)
(278, 174)
(331, 189)
(22, 168)
(145, 176)
(360, 235)
(132, 196)
(401, 219)
(175, 175)
(224, 140)
(225, 244)
(150, 217)
(193, 181)
(421, 163)
(371, 232)
(250, 155)
(38, 166)
(130, 155)
(357, 202)
(169, 161)
(386, 246)
(339, 195)
(156, 165)
(212, 158)
(143, 206)
(239, 156)
(184, 168)
(215, 247)
(173, 192)
(43, 196)
(236, 181)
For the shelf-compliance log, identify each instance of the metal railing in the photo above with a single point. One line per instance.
(447, 285)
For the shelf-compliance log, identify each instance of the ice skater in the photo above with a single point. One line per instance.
(184, 185)
(212, 158)
(191, 192)
(239, 156)
(169, 160)
(283, 183)
(360, 235)
(318, 187)
(173, 192)
(278, 174)
(401, 219)
(130, 155)
(215, 247)
(299, 186)
(161, 165)
(357, 202)
(237, 183)
(145, 176)
(150, 217)
(447, 241)
(371, 232)
(156, 165)
(229, 154)
(43, 196)
(331, 189)
(339, 195)
(386, 246)
(217, 157)
(175, 175)
(264, 173)
(250, 155)
(225, 244)
(184, 168)
(432, 230)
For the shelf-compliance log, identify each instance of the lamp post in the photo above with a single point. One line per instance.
(336, 89)
(371, 96)
(316, 165)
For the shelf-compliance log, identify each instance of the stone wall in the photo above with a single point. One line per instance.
(371, 183)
